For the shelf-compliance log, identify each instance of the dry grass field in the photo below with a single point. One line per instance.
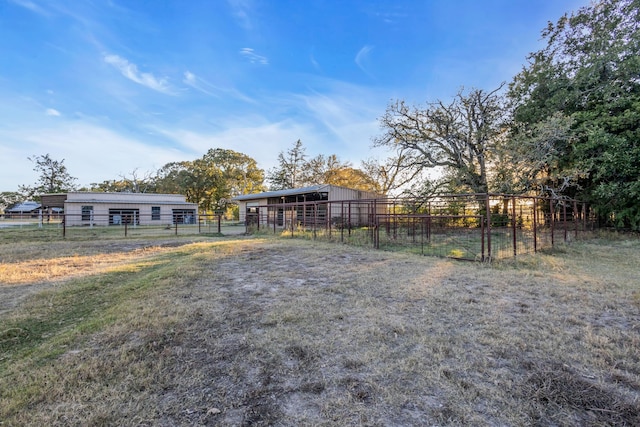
(273, 331)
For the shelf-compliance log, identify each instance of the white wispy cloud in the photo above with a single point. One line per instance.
(253, 57)
(131, 72)
(27, 4)
(315, 63)
(240, 10)
(208, 88)
(241, 135)
(199, 84)
(362, 57)
(104, 153)
(52, 112)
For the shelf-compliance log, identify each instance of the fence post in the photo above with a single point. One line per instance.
(125, 228)
(575, 218)
(482, 237)
(176, 226)
(64, 225)
(514, 225)
(564, 220)
(422, 220)
(349, 218)
(552, 225)
(488, 209)
(535, 225)
(220, 223)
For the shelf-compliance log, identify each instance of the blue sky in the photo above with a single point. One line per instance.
(116, 86)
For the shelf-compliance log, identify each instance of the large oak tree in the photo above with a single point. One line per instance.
(457, 137)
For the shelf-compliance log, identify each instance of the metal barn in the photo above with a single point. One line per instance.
(314, 205)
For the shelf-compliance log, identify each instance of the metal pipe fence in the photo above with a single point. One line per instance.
(477, 227)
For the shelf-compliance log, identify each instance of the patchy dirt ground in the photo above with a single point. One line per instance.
(290, 333)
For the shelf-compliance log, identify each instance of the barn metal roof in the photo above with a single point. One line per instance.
(284, 193)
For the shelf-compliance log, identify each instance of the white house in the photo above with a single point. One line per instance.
(87, 208)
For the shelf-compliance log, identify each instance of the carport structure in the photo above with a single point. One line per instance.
(306, 206)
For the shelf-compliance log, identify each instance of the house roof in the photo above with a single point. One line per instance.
(284, 193)
(27, 206)
(60, 199)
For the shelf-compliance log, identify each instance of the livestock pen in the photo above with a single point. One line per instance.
(478, 227)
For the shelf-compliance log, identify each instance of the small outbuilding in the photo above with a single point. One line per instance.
(26, 209)
(316, 204)
(89, 208)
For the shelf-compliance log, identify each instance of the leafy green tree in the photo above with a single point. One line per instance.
(289, 172)
(212, 180)
(240, 173)
(589, 74)
(529, 159)
(294, 171)
(331, 170)
(53, 177)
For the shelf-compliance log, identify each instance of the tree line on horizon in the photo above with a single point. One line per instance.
(567, 125)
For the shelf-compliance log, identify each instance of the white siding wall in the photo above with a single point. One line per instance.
(103, 202)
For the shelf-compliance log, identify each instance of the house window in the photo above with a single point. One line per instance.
(184, 216)
(124, 216)
(155, 213)
(87, 213)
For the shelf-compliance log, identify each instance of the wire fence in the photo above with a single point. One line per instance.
(40, 226)
(478, 227)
